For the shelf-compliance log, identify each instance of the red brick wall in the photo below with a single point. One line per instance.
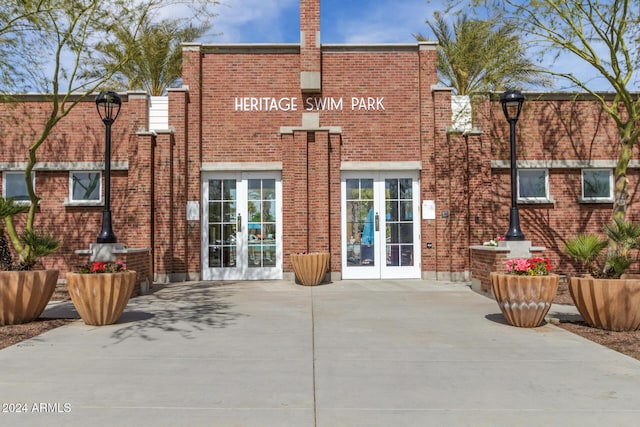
(483, 262)
(393, 76)
(149, 199)
(552, 127)
(140, 262)
(369, 135)
(79, 137)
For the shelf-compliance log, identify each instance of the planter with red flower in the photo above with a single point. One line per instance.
(525, 292)
(101, 291)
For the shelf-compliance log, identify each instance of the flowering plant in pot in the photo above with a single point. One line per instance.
(525, 291)
(606, 296)
(529, 266)
(100, 291)
(494, 242)
(98, 267)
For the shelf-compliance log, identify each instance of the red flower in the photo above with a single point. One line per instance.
(97, 266)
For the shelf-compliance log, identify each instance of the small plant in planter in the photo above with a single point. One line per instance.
(525, 292)
(100, 291)
(24, 292)
(30, 245)
(622, 238)
(606, 297)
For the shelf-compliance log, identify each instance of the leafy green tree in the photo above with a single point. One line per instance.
(476, 56)
(604, 36)
(65, 34)
(17, 21)
(154, 58)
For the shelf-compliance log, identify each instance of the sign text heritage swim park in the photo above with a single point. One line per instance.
(252, 103)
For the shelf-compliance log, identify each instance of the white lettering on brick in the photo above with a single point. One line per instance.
(269, 104)
(322, 104)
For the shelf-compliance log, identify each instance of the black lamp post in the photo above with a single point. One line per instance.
(108, 105)
(512, 101)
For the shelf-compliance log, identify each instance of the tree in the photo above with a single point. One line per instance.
(604, 35)
(477, 56)
(155, 57)
(17, 21)
(66, 33)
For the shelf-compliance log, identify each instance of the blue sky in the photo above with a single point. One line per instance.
(342, 21)
(348, 21)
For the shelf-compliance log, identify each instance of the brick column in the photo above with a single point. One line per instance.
(318, 173)
(163, 202)
(310, 55)
(186, 118)
(294, 195)
(139, 203)
(428, 77)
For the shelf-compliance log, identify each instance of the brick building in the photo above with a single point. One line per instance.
(270, 150)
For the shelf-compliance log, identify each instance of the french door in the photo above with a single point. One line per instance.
(380, 225)
(242, 226)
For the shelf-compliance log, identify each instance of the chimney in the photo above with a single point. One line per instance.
(310, 77)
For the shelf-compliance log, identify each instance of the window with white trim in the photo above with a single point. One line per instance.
(533, 184)
(597, 184)
(14, 186)
(85, 187)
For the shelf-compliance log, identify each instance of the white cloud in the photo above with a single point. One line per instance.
(258, 21)
(379, 22)
(355, 21)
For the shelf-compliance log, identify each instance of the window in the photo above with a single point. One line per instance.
(597, 184)
(13, 185)
(85, 187)
(533, 184)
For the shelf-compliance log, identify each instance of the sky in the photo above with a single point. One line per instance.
(341, 21)
(349, 22)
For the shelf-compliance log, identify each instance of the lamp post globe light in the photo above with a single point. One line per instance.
(512, 101)
(108, 105)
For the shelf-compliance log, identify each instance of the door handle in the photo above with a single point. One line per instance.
(377, 222)
(239, 223)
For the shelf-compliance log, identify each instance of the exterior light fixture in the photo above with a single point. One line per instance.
(108, 105)
(512, 101)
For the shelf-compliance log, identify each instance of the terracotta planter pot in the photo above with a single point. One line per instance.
(524, 300)
(100, 298)
(611, 304)
(25, 294)
(310, 269)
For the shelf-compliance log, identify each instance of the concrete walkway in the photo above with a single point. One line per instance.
(350, 353)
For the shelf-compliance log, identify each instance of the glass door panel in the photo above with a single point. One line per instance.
(360, 223)
(241, 234)
(381, 234)
(262, 223)
(399, 222)
(222, 244)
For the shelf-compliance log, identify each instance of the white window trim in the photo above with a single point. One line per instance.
(608, 199)
(4, 185)
(69, 201)
(546, 199)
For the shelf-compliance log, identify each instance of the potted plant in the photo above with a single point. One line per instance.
(310, 268)
(606, 297)
(101, 291)
(24, 291)
(525, 292)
